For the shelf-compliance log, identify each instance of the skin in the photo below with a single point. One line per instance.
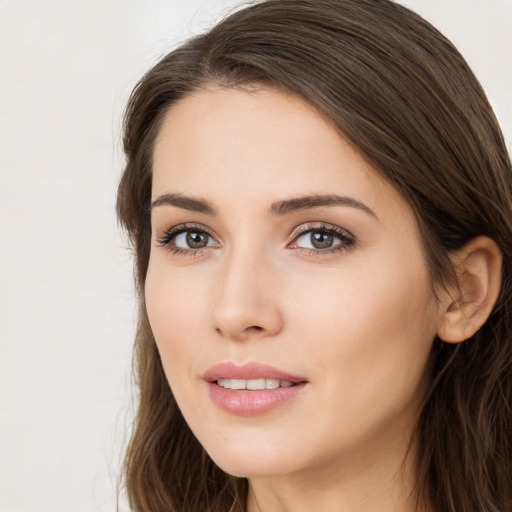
(357, 320)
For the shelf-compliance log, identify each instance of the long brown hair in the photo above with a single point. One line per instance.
(404, 96)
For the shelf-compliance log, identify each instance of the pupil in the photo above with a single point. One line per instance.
(321, 240)
(196, 240)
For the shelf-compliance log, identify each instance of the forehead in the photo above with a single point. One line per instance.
(260, 146)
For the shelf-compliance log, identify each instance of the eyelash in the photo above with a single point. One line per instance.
(346, 238)
(170, 235)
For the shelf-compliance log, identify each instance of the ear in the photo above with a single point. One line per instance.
(468, 304)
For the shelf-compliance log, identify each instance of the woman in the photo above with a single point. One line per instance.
(319, 198)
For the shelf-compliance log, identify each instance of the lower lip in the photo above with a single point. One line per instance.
(251, 403)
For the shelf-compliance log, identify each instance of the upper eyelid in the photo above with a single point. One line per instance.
(174, 231)
(301, 229)
(188, 226)
(318, 226)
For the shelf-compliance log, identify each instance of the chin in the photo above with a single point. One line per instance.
(252, 469)
(258, 462)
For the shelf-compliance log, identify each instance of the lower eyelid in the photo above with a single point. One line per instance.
(339, 247)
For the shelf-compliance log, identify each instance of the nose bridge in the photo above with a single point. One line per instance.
(246, 303)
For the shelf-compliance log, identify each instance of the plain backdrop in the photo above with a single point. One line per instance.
(66, 303)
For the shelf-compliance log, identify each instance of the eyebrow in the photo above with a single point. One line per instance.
(185, 202)
(277, 208)
(314, 201)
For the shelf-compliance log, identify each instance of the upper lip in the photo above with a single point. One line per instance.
(248, 371)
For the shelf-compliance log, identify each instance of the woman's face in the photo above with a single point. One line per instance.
(287, 288)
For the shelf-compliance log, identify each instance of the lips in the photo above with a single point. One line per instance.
(252, 388)
(249, 371)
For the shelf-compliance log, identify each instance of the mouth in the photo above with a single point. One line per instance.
(254, 384)
(251, 376)
(252, 388)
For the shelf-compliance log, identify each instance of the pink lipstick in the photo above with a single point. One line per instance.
(252, 388)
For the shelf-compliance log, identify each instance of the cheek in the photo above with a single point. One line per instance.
(367, 333)
(366, 302)
(176, 311)
(176, 307)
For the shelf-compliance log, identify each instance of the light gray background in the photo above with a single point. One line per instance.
(66, 303)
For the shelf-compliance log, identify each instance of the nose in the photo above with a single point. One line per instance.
(247, 303)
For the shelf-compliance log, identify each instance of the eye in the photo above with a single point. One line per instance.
(323, 239)
(186, 239)
(316, 240)
(192, 240)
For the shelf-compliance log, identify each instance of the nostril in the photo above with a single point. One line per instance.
(241, 333)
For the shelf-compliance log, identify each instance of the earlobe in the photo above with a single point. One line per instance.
(470, 301)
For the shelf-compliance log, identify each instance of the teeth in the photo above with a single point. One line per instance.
(238, 384)
(254, 384)
(271, 384)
